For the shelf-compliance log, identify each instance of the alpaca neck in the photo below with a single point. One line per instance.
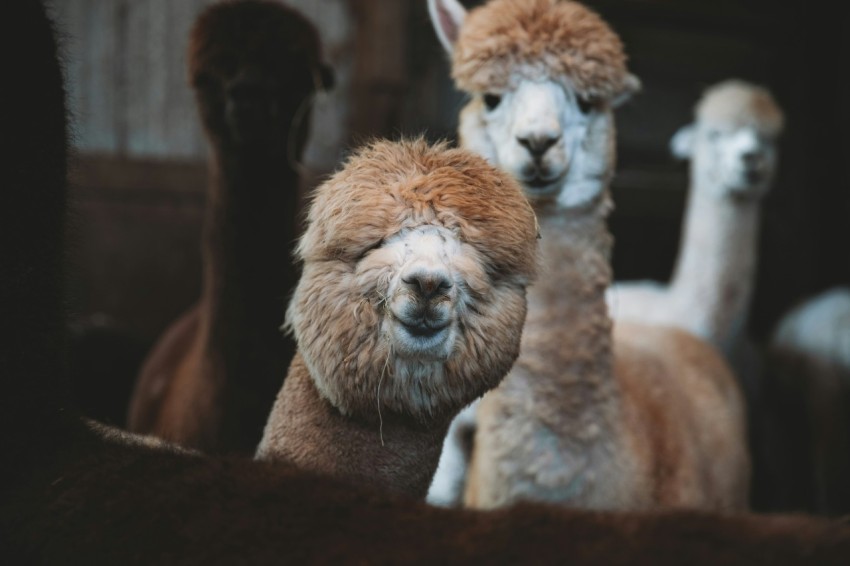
(249, 234)
(714, 275)
(392, 453)
(566, 356)
(575, 250)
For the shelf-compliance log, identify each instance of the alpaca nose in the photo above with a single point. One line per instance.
(539, 144)
(428, 283)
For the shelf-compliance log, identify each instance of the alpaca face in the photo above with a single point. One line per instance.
(559, 146)
(533, 131)
(733, 144)
(737, 162)
(254, 66)
(256, 107)
(412, 296)
(260, 109)
(543, 75)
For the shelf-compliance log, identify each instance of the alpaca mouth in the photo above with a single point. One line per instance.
(422, 339)
(542, 181)
(540, 186)
(423, 329)
(747, 195)
(750, 185)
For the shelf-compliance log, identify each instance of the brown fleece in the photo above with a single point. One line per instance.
(396, 455)
(506, 40)
(684, 413)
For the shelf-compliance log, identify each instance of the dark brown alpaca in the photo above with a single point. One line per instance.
(73, 493)
(210, 381)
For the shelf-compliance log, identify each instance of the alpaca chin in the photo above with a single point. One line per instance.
(580, 194)
(412, 378)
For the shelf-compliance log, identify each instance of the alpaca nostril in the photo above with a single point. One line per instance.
(428, 283)
(537, 145)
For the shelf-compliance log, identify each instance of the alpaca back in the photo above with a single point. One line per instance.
(670, 434)
(683, 413)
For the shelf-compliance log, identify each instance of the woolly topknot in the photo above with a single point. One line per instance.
(387, 186)
(736, 103)
(558, 39)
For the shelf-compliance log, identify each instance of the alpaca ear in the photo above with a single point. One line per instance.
(682, 142)
(631, 86)
(447, 17)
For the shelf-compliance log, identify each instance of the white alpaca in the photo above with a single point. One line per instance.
(732, 147)
(585, 417)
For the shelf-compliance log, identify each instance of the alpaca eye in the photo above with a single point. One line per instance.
(492, 100)
(587, 104)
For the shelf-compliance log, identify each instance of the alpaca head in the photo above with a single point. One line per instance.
(544, 76)
(733, 143)
(412, 295)
(254, 66)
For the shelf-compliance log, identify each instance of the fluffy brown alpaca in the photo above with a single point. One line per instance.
(210, 381)
(73, 494)
(639, 418)
(410, 306)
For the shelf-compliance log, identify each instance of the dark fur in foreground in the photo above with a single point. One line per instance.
(70, 496)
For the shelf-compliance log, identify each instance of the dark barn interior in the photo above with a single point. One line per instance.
(146, 245)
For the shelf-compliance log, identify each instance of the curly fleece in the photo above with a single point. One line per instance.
(337, 312)
(505, 40)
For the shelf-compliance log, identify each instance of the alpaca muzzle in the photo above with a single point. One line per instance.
(423, 302)
(424, 292)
